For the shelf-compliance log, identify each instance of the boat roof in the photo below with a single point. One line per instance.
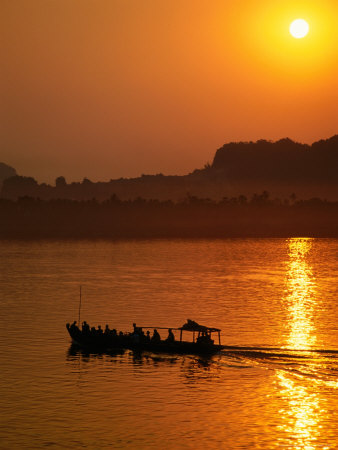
(190, 325)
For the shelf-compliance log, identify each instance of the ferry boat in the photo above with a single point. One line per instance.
(99, 340)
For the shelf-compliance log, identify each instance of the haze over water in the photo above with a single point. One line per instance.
(277, 298)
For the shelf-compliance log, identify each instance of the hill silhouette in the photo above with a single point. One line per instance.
(284, 160)
(283, 168)
(6, 172)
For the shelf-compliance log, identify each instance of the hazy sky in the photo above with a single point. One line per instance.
(116, 88)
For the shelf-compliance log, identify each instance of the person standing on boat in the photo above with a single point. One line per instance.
(85, 328)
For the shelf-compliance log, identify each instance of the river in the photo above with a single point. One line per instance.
(277, 298)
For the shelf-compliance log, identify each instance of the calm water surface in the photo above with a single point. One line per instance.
(278, 298)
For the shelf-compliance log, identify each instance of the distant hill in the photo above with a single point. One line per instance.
(6, 172)
(283, 168)
(283, 161)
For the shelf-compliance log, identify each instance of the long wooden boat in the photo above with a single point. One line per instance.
(109, 340)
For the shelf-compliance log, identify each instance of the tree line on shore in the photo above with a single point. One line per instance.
(193, 217)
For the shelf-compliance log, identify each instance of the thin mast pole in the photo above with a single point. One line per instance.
(80, 304)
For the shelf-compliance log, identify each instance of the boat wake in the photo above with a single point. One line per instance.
(318, 365)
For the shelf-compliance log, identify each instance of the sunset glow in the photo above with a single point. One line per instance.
(112, 89)
(168, 224)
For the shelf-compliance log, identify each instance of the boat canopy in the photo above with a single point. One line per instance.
(190, 325)
(193, 326)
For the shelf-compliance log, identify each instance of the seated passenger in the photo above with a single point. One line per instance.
(205, 339)
(147, 337)
(142, 335)
(114, 336)
(171, 337)
(208, 339)
(107, 330)
(135, 335)
(200, 338)
(73, 326)
(135, 338)
(156, 337)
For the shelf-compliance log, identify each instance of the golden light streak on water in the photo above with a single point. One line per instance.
(53, 396)
(303, 415)
(304, 412)
(300, 295)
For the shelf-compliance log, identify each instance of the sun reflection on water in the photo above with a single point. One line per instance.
(300, 295)
(302, 415)
(304, 410)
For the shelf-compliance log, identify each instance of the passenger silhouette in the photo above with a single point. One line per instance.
(85, 327)
(156, 337)
(74, 326)
(171, 337)
(147, 337)
(205, 339)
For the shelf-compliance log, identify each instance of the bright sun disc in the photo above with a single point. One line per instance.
(299, 28)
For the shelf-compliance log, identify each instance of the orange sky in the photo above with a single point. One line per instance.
(116, 88)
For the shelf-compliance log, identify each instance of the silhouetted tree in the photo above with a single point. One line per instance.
(60, 182)
(140, 218)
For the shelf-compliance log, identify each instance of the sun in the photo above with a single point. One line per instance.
(299, 28)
